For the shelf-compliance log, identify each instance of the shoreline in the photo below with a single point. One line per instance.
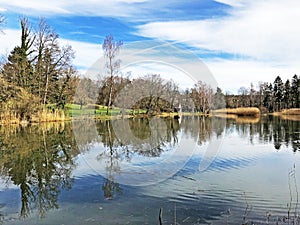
(234, 113)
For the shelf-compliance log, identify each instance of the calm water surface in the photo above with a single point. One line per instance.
(197, 170)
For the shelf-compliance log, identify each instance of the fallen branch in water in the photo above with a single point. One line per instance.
(160, 216)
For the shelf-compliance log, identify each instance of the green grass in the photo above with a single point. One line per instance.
(73, 110)
(70, 106)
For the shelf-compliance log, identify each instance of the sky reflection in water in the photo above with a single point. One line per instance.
(58, 176)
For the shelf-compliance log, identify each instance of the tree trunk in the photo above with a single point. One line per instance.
(46, 86)
(109, 99)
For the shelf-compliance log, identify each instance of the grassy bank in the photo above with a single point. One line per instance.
(99, 112)
(75, 111)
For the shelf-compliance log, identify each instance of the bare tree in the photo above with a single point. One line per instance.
(44, 35)
(53, 64)
(202, 95)
(172, 95)
(111, 49)
(86, 92)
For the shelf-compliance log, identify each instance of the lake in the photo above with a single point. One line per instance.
(196, 170)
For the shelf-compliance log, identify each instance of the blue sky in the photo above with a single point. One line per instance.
(239, 41)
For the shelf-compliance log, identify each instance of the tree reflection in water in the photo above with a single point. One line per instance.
(1, 216)
(143, 138)
(39, 159)
(152, 141)
(272, 129)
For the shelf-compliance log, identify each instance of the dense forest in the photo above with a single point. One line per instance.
(38, 75)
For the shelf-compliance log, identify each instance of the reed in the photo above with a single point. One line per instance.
(294, 111)
(247, 119)
(47, 116)
(290, 117)
(9, 117)
(242, 111)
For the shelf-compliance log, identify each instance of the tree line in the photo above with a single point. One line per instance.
(39, 74)
(155, 95)
(166, 96)
(269, 97)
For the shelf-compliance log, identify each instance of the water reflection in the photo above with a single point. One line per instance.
(281, 131)
(123, 139)
(40, 159)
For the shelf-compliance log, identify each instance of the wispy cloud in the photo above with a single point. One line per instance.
(86, 53)
(131, 10)
(121, 8)
(234, 3)
(264, 30)
(78, 32)
(240, 41)
(260, 40)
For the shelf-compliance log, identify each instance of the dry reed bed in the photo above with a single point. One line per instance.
(239, 119)
(46, 116)
(8, 117)
(243, 111)
(247, 119)
(295, 111)
(290, 117)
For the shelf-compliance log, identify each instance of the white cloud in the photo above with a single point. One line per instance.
(233, 74)
(121, 8)
(262, 37)
(232, 2)
(8, 40)
(166, 71)
(85, 53)
(264, 30)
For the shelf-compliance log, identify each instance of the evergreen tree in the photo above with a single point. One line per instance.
(287, 99)
(278, 93)
(219, 99)
(267, 102)
(19, 69)
(295, 91)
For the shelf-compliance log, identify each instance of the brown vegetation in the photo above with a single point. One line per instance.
(290, 117)
(295, 111)
(289, 114)
(12, 117)
(242, 111)
(46, 116)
